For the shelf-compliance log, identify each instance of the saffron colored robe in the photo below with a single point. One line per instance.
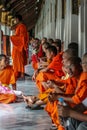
(44, 96)
(56, 66)
(81, 91)
(52, 109)
(7, 98)
(7, 77)
(20, 44)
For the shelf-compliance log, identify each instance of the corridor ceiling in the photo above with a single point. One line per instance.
(29, 9)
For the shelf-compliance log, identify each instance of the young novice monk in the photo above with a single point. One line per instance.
(6, 78)
(6, 72)
(51, 52)
(52, 71)
(42, 61)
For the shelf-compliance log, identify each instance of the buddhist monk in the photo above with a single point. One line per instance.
(41, 52)
(81, 90)
(44, 62)
(20, 44)
(70, 86)
(53, 70)
(6, 78)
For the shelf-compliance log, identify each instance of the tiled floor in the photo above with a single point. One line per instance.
(16, 117)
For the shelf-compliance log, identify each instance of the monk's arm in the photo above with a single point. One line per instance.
(67, 99)
(78, 115)
(68, 112)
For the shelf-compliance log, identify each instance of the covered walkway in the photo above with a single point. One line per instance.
(57, 19)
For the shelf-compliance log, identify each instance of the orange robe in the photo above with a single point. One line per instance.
(56, 66)
(81, 91)
(20, 44)
(52, 109)
(7, 77)
(7, 98)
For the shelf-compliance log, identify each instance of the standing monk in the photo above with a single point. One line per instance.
(20, 44)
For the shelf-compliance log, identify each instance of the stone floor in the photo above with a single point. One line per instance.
(16, 117)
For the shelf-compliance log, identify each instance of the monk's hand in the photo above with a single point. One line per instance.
(64, 111)
(52, 97)
(34, 75)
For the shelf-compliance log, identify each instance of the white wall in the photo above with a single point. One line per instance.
(73, 28)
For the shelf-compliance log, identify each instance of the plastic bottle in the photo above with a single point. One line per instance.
(64, 120)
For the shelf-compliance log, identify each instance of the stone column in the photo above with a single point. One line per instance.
(59, 20)
(0, 38)
(67, 25)
(82, 27)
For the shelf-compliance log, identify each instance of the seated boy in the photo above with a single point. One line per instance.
(6, 72)
(68, 90)
(6, 78)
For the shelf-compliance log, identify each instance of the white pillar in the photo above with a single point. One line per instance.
(82, 27)
(0, 38)
(85, 26)
(59, 20)
(67, 26)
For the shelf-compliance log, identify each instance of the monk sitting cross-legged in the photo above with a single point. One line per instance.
(42, 61)
(6, 78)
(53, 70)
(80, 95)
(69, 88)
